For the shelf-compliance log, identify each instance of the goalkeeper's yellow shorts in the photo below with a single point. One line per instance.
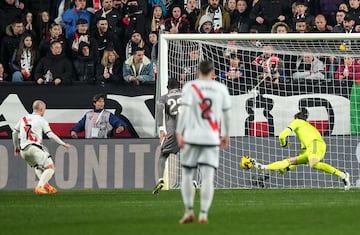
(316, 149)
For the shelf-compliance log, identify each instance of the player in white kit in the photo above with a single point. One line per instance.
(204, 104)
(28, 141)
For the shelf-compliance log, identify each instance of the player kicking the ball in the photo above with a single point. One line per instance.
(313, 148)
(29, 130)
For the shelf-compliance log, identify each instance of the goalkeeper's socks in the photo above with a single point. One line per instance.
(278, 165)
(328, 168)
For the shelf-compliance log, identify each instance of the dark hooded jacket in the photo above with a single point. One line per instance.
(85, 66)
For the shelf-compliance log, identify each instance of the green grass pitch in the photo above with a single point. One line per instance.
(234, 211)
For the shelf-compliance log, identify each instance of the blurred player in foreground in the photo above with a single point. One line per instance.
(204, 103)
(167, 111)
(29, 130)
(313, 148)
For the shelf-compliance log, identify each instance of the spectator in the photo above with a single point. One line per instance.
(280, 28)
(29, 25)
(308, 67)
(302, 14)
(112, 15)
(240, 17)
(136, 41)
(165, 5)
(269, 67)
(85, 64)
(110, 69)
(176, 23)
(230, 6)
(134, 20)
(354, 10)
(43, 26)
(265, 13)
(301, 26)
(118, 5)
(71, 17)
(220, 16)
(55, 34)
(24, 59)
(348, 25)
(349, 69)
(60, 8)
(329, 8)
(192, 12)
(344, 7)
(189, 68)
(157, 21)
(99, 122)
(104, 37)
(153, 42)
(321, 25)
(55, 68)
(138, 68)
(81, 34)
(233, 75)
(11, 41)
(9, 13)
(340, 15)
(3, 76)
(206, 24)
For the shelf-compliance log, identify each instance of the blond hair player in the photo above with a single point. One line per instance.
(28, 141)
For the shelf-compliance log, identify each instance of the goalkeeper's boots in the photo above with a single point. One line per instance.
(158, 186)
(283, 171)
(256, 164)
(40, 190)
(49, 188)
(346, 181)
(187, 218)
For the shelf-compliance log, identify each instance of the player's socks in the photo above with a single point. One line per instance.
(278, 165)
(187, 190)
(46, 176)
(38, 172)
(207, 187)
(328, 168)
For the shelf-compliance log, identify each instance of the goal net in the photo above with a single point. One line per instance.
(271, 77)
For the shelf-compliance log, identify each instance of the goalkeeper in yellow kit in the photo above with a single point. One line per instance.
(313, 148)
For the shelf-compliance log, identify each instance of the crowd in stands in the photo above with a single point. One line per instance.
(115, 41)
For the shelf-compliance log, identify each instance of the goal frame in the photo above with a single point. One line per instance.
(164, 49)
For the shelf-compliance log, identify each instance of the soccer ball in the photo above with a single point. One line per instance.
(245, 163)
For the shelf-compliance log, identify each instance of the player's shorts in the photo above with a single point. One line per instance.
(316, 149)
(36, 156)
(170, 144)
(194, 155)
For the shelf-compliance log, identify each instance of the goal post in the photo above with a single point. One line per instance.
(271, 77)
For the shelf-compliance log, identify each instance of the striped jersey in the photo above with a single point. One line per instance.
(31, 128)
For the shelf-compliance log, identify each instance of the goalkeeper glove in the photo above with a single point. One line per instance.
(286, 144)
